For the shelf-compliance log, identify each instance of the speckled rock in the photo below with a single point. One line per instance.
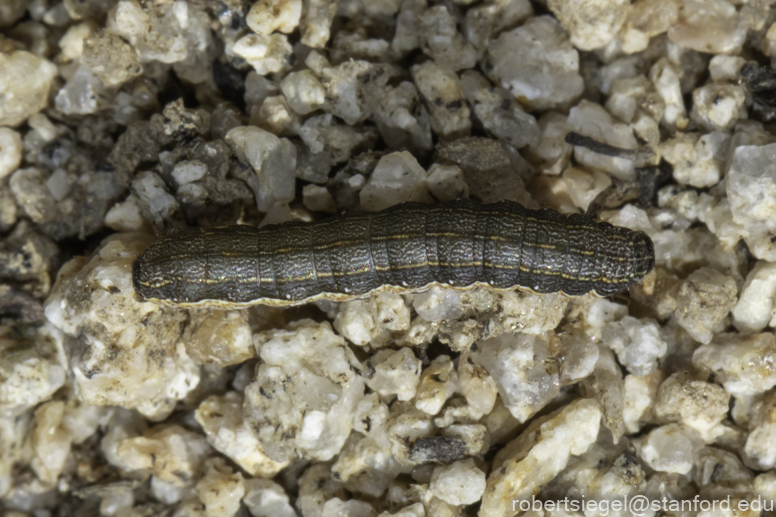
(760, 447)
(664, 76)
(265, 498)
(169, 453)
(670, 448)
(317, 16)
(645, 20)
(311, 416)
(638, 344)
(222, 338)
(438, 382)
(117, 361)
(590, 25)
(694, 403)
(267, 16)
(441, 89)
(515, 364)
(34, 371)
(635, 100)
(266, 54)
(534, 458)
(718, 106)
(348, 88)
(705, 299)
(499, 112)
(460, 483)
(390, 373)
(222, 420)
(712, 27)
(746, 370)
(486, 21)
(20, 100)
(220, 490)
(440, 39)
(487, 169)
(370, 322)
(698, 160)
(639, 395)
(520, 63)
(53, 435)
(607, 387)
(110, 59)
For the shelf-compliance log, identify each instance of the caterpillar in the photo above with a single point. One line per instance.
(405, 248)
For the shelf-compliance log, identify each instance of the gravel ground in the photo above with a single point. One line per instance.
(122, 121)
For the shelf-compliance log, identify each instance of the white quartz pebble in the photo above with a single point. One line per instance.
(460, 483)
(10, 151)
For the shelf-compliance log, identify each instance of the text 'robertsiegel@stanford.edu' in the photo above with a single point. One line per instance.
(643, 506)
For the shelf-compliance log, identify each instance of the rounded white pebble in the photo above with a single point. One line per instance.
(459, 483)
(268, 16)
(438, 304)
(317, 198)
(10, 151)
(754, 309)
(189, 171)
(671, 448)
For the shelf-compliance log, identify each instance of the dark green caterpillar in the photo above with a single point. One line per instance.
(406, 248)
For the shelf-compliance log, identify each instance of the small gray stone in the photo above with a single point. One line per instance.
(442, 449)
(487, 169)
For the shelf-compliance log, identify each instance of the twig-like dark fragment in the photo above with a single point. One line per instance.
(442, 449)
(760, 82)
(642, 153)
